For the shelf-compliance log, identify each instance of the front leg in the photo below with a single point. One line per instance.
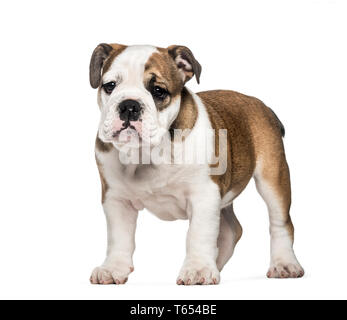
(203, 211)
(121, 220)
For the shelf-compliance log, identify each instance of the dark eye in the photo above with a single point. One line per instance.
(159, 92)
(109, 86)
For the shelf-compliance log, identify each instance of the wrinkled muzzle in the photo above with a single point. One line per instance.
(130, 118)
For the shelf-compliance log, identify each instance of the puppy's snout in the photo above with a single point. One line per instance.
(129, 110)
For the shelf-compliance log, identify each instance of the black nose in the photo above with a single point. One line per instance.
(129, 110)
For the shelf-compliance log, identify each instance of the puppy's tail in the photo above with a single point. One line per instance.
(280, 124)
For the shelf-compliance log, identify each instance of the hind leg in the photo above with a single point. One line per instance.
(273, 183)
(229, 234)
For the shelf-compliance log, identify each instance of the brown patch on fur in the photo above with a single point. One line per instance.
(275, 172)
(161, 70)
(104, 185)
(229, 110)
(254, 133)
(267, 135)
(188, 113)
(117, 50)
(102, 146)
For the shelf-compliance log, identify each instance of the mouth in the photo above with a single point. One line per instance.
(125, 125)
(127, 132)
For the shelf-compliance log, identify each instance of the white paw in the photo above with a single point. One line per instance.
(285, 270)
(116, 273)
(197, 272)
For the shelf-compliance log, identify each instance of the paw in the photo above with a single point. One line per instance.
(194, 272)
(285, 270)
(115, 274)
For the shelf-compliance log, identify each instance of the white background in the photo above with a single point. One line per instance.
(290, 54)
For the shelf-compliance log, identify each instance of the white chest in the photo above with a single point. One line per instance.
(163, 190)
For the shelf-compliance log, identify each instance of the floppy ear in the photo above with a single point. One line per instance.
(186, 63)
(100, 53)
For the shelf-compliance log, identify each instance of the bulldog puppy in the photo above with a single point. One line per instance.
(144, 103)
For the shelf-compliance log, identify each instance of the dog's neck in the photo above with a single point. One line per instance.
(188, 113)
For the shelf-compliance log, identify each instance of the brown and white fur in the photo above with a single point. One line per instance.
(255, 149)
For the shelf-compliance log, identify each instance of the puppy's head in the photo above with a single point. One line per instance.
(139, 90)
